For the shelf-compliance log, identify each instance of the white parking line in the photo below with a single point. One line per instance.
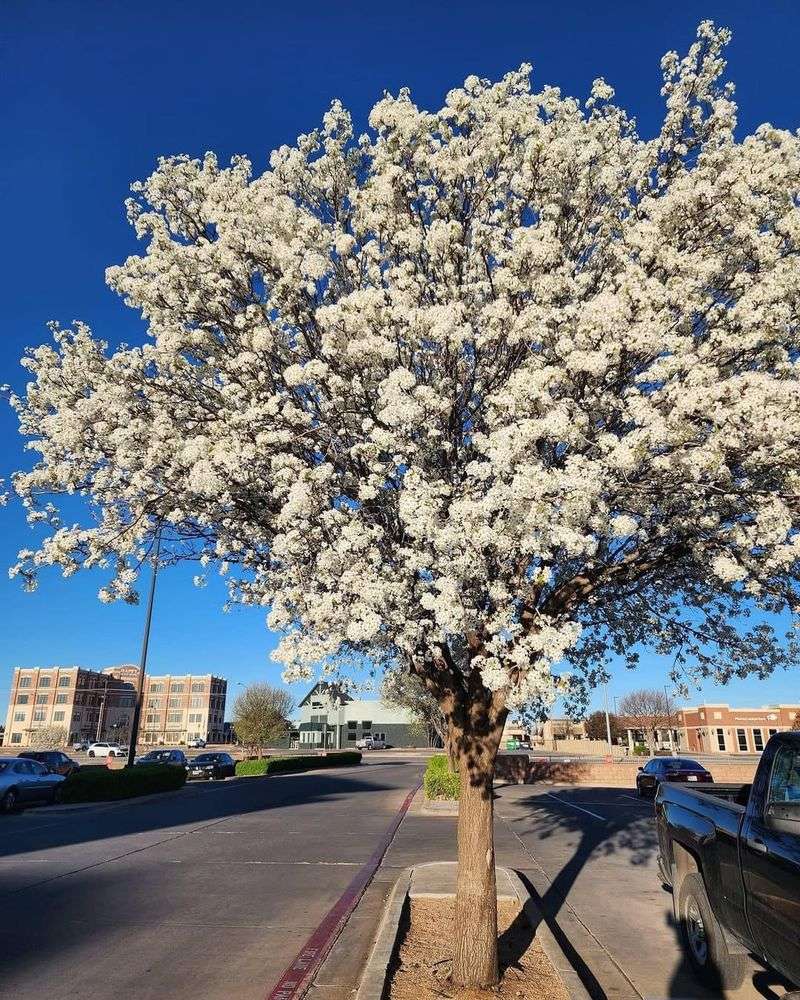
(573, 806)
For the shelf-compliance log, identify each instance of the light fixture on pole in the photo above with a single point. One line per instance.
(137, 708)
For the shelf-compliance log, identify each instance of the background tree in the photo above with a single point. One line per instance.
(596, 726)
(648, 710)
(490, 388)
(261, 716)
(407, 691)
(796, 723)
(48, 738)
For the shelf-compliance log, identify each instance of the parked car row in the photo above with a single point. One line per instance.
(104, 749)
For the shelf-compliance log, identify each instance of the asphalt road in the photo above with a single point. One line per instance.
(202, 895)
(593, 861)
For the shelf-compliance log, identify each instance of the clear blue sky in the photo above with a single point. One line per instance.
(94, 90)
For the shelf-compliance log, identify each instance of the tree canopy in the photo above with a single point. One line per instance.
(487, 387)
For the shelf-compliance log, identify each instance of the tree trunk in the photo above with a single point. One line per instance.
(475, 959)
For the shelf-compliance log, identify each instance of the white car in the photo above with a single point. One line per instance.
(106, 750)
(370, 743)
(198, 742)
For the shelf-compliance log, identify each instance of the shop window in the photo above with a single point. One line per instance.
(721, 739)
(741, 736)
(758, 740)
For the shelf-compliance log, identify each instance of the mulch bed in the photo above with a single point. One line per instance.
(424, 963)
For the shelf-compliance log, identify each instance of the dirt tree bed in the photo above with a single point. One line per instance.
(422, 968)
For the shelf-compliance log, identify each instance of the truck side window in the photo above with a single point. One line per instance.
(784, 784)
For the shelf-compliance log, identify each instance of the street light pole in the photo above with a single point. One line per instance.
(669, 721)
(137, 708)
(608, 724)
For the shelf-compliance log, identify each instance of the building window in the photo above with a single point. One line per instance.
(157, 687)
(58, 716)
(22, 699)
(41, 699)
(351, 737)
(16, 737)
(177, 688)
(63, 682)
(316, 704)
(61, 699)
(174, 703)
(352, 725)
(39, 716)
(151, 720)
(19, 716)
(772, 732)
(197, 686)
(24, 682)
(154, 703)
(174, 717)
(758, 740)
(44, 682)
(195, 703)
(366, 725)
(721, 739)
(741, 736)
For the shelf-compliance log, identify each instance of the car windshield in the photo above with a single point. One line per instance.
(206, 758)
(157, 755)
(683, 765)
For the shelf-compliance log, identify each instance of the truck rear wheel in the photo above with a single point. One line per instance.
(704, 941)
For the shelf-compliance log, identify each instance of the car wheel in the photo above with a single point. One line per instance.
(704, 941)
(91, 753)
(9, 801)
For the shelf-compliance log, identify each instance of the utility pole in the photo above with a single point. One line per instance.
(101, 713)
(669, 721)
(608, 724)
(137, 708)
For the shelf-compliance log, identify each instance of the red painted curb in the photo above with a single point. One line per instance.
(296, 980)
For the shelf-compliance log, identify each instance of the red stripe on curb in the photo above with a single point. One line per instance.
(296, 980)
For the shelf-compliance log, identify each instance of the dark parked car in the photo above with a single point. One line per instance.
(212, 766)
(668, 769)
(25, 781)
(176, 758)
(731, 854)
(57, 761)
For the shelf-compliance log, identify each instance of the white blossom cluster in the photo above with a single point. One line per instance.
(485, 389)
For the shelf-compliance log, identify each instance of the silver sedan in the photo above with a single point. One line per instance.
(25, 781)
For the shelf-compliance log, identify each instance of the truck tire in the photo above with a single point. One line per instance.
(703, 940)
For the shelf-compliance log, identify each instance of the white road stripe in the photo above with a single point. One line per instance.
(573, 806)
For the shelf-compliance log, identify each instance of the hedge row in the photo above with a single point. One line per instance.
(439, 781)
(100, 784)
(287, 765)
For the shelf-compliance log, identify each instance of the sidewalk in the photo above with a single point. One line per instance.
(423, 838)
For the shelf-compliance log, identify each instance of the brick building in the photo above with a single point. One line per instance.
(722, 729)
(91, 705)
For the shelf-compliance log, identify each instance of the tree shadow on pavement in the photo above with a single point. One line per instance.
(624, 830)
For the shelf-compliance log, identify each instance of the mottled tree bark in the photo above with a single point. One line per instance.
(475, 958)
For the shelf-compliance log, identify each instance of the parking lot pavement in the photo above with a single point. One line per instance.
(593, 854)
(204, 894)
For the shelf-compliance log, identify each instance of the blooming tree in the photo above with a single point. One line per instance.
(483, 390)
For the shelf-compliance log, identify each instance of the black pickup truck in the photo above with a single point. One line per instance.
(731, 854)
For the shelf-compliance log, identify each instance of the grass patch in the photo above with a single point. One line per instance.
(439, 781)
(289, 765)
(99, 784)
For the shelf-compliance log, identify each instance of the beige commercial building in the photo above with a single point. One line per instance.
(98, 705)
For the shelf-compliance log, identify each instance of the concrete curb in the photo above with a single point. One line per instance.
(550, 946)
(374, 979)
(376, 971)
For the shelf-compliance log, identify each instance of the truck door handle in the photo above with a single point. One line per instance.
(756, 844)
